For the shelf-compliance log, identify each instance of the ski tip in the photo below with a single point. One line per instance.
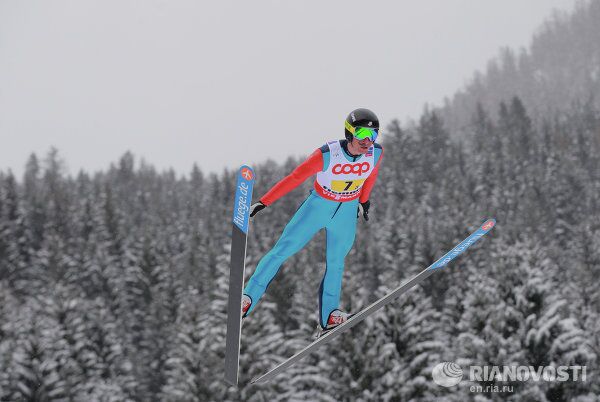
(488, 225)
(246, 172)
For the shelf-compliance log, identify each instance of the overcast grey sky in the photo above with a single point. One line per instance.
(223, 83)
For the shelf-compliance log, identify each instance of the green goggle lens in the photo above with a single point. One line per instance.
(363, 132)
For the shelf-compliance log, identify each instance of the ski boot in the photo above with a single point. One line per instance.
(336, 318)
(246, 303)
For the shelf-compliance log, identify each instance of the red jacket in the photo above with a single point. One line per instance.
(311, 166)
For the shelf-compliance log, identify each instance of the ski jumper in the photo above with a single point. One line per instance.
(342, 181)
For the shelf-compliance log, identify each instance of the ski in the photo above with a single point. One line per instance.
(361, 315)
(239, 235)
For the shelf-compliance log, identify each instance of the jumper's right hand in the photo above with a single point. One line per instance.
(255, 208)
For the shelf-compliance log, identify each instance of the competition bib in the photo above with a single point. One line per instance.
(343, 180)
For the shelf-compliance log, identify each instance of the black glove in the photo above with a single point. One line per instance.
(255, 208)
(363, 208)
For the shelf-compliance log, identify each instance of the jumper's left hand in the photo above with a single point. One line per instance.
(363, 208)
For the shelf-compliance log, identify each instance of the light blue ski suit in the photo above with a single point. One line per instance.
(315, 213)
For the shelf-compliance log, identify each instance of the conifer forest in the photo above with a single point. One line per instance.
(114, 284)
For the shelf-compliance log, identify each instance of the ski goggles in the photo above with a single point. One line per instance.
(361, 133)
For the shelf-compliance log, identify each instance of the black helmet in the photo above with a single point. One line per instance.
(360, 118)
